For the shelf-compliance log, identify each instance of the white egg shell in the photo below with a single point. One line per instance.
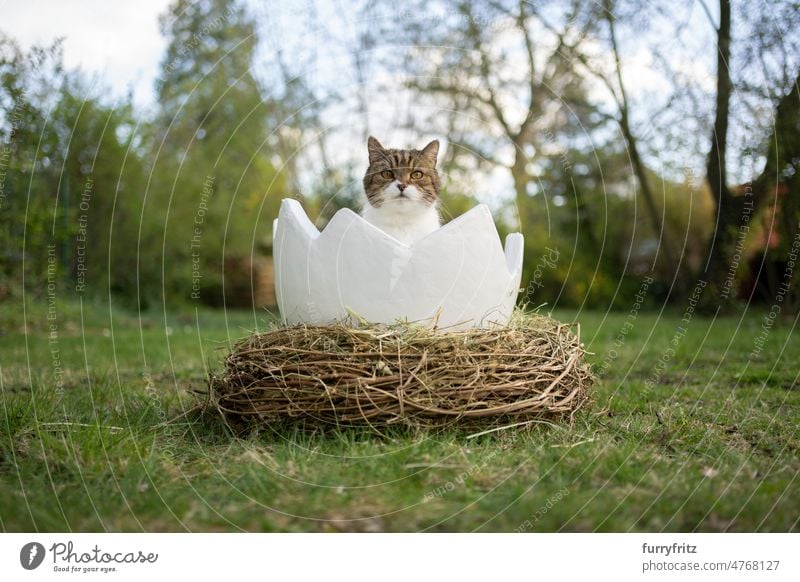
(456, 277)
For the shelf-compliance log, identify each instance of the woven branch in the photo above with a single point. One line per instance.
(404, 374)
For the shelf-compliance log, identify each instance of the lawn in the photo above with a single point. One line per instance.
(689, 430)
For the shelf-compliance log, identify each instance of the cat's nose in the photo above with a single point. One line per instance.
(401, 186)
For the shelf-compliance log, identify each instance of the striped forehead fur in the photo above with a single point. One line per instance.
(402, 163)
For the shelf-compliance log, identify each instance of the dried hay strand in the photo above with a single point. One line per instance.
(381, 375)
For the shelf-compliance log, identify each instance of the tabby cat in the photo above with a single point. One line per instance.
(402, 190)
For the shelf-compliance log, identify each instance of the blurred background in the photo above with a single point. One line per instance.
(144, 150)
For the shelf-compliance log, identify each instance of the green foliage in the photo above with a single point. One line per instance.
(589, 243)
(29, 183)
(104, 176)
(69, 176)
(214, 189)
(107, 199)
(94, 198)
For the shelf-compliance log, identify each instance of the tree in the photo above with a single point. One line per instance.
(530, 124)
(214, 186)
(101, 174)
(69, 178)
(613, 79)
(471, 73)
(28, 180)
(735, 207)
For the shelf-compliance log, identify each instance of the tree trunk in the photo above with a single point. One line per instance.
(657, 219)
(729, 208)
(520, 176)
(734, 210)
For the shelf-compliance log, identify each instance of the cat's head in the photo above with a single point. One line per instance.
(401, 176)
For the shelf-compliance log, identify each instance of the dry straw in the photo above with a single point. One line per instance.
(530, 370)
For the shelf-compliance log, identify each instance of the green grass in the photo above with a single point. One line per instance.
(707, 441)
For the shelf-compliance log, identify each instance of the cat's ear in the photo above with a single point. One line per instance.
(431, 150)
(375, 149)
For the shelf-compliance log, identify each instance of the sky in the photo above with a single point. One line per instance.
(117, 39)
(118, 43)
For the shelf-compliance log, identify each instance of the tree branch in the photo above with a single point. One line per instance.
(522, 24)
(474, 35)
(656, 218)
(708, 14)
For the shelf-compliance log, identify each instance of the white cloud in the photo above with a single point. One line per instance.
(118, 40)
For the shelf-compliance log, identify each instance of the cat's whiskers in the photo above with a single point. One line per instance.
(402, 190)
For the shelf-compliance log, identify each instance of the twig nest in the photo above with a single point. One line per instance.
(404, 374)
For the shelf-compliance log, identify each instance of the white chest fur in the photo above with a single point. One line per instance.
(406, 221)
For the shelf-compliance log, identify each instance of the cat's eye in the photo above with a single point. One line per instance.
(387, 174)
(416, 174)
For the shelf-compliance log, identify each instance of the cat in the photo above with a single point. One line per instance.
(402, 191)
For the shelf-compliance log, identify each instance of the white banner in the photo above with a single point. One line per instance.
(402, 557)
